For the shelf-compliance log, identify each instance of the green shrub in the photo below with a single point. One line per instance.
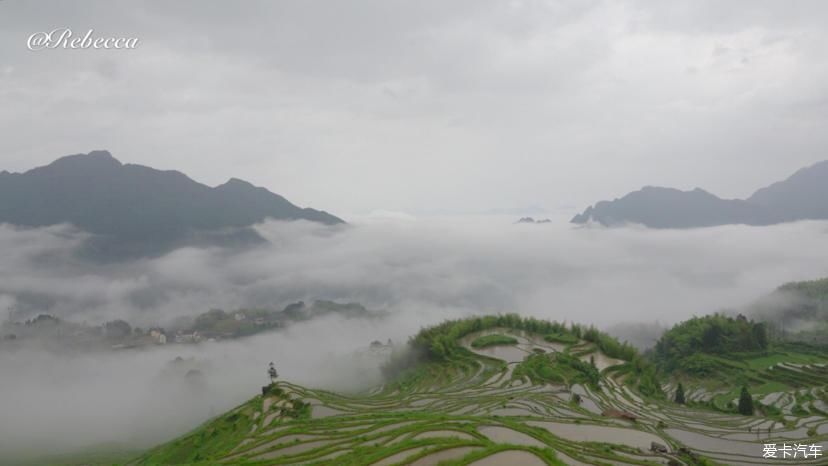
(560, 337)
(493, 340)
(557, 368)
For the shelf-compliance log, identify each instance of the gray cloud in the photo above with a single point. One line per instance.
(488, 104)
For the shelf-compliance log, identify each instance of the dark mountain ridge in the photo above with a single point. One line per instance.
(802, 196)
(133, 210)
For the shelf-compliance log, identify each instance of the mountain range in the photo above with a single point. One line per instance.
(802, 196)
(134, 210)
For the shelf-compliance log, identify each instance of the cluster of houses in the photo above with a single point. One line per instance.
(212, 325)
(159, 336)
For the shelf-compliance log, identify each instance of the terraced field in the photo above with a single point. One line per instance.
(482, 408)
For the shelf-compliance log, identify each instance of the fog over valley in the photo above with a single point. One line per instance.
(419, 270)
(462, 264)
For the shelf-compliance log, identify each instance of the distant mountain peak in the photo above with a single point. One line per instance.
(140, 210)
(102, 154)
(533, 220)
(96, 157)
(802, 196)
(236, 183)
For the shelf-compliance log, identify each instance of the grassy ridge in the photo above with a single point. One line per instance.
(559, 368)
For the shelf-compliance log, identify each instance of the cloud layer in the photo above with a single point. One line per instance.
(420, 270)
(397, 263)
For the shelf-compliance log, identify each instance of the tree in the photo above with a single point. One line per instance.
(711, 337)
(745, 402)
(680, 394)
(271, 372)
(117, 329)
(760, 335)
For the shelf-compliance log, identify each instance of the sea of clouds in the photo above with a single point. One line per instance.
(420, 270)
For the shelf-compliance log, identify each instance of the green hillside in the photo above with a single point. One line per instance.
(796, 312)
(577, 397)
(714, 356)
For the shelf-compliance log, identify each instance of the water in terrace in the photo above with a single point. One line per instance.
(715, 444)
(507, 435)
(397, 457)
(443, 455)
(593, 433)
(512, 457)
(292, 450)
(506, 353)
(320, 411)
(586, 402)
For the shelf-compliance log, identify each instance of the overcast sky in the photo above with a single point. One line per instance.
(425, 106)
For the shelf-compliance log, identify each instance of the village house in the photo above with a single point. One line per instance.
(158, 336)
(187, 337)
